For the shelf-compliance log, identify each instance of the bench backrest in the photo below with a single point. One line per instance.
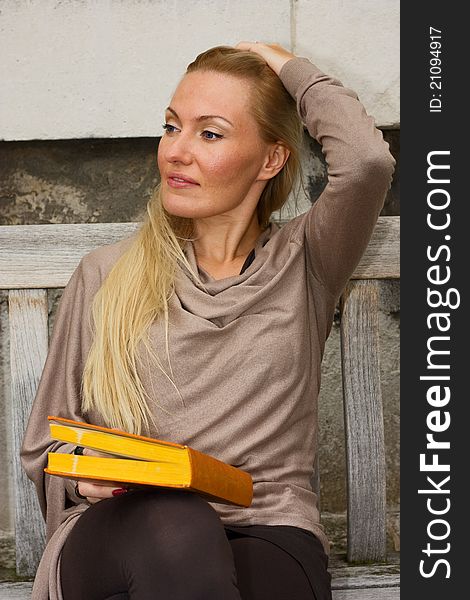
(34, 258)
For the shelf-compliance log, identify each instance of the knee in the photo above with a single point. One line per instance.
(156, 535)
(176, 528)
(167, 515)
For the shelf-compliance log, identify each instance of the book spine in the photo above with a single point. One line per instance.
(218, 479)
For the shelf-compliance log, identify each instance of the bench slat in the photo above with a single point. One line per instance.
(15, 590)
(368, 594)
(28, 350)
(44, 256)
(364, 426)
(357, 579)
(22, 591)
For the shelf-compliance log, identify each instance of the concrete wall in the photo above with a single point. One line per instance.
(88, 68)
(75, 71)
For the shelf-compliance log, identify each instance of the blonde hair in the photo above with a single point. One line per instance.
(137, 290)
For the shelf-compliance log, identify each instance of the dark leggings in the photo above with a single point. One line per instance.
(149, 545)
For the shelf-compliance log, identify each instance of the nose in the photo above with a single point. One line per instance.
(177, 148)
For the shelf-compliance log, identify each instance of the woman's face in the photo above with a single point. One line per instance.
(212, 139)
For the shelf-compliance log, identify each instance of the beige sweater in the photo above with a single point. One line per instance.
(246, 353)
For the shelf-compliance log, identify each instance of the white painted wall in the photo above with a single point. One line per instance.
(107, 68)
(358, 41)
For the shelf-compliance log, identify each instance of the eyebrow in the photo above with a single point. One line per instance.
(202, 117)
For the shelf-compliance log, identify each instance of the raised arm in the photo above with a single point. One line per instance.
(338, 227)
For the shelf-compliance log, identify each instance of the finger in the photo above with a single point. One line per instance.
(90, 452)
(95, 490)
(248, 45)
(257, 45)
(275, 55)
(94, 500)
(258, 48)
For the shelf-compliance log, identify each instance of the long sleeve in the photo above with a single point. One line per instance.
(58, 393)
(340, 223)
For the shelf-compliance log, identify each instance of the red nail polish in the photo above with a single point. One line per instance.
(119, 491)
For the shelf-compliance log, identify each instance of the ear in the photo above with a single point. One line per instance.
(274, 161)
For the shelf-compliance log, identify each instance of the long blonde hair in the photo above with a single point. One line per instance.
(137, 289)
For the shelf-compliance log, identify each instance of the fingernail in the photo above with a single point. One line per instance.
(119, 491)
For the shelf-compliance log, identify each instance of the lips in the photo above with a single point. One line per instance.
(180, 179)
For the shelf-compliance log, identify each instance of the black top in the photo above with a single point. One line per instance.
(249, 259)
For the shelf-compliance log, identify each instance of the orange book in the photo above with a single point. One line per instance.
(139, 460)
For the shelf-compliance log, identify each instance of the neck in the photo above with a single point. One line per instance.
(223, 240)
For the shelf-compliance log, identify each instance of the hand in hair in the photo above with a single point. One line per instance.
(275, 55)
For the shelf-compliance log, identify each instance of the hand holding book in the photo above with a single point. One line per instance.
(134, 460)
(94, 491)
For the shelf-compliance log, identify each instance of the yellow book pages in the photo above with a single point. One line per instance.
(115, 444)
(113, 441)
(214, 485)
(119, 469)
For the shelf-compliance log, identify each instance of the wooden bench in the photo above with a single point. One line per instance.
(34, 258)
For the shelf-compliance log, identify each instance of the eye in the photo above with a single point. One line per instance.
(168, 128)
(211, 133)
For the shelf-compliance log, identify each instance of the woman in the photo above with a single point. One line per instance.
(207, 327)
